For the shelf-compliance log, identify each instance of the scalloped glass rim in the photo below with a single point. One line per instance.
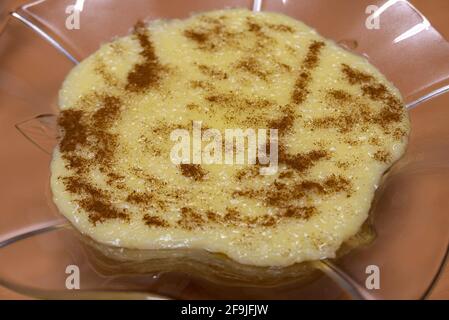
(405, 24)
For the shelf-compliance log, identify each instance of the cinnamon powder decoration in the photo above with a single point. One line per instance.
(94, 200)
(105, 116)
(155, 221)
(280, 27)
(305, 77)
(101, 210)
(200, 37)
(300, 161)
(340, 95)
(214, 73)
(78, 125)
(358, 113)
(190, 219)
(193, 220)
(283, 193)
(391, 112)
(140, 198)
(263, 40)
(193, 171)
(147, 73)
(75, 132)
(280, 195)
(251, 65)
(92, 131)
(382, 156)
(299, 212)
(212, 34)
(354, 76)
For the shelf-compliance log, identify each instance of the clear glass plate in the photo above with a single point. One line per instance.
(409, 212)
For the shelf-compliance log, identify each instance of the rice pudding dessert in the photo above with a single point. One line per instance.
(340, 126)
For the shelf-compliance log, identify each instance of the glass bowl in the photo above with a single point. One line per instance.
(39, 249)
